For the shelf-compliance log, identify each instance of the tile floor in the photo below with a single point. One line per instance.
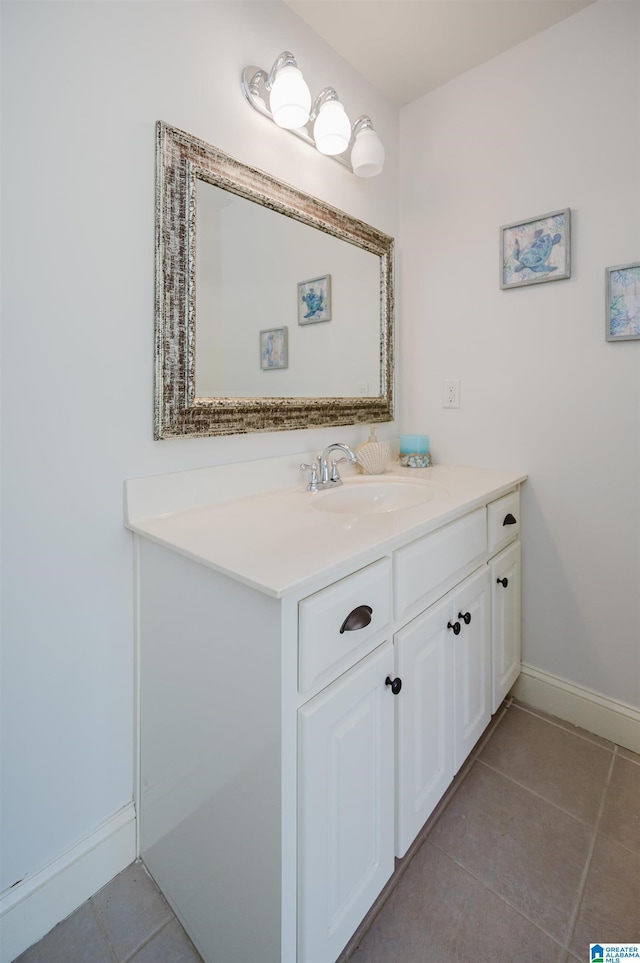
(533, 853)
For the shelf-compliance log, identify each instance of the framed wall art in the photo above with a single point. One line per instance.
(622, 321)
(536, 250)
(274, 348)
(314, 300)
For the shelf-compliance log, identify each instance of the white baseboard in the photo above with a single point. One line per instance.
(605, 717)
(33, 907)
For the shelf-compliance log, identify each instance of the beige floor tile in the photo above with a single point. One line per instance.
(131, 909)
(621, 815)
(77, 939)
(610, 908)
(563, 768)
(441, 914)
(528, 851)
(569, 726)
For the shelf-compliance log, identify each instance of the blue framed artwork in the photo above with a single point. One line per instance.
(274, 348)
(314, 300)
(623, 302)
(536, 250)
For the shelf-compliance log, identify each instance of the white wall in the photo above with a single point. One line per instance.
(83, 85)
(553, 123)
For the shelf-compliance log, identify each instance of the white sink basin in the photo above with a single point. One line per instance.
(372, 497)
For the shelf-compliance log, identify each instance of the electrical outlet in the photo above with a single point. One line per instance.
(451, 394)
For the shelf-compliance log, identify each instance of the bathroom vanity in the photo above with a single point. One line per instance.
(312, 674)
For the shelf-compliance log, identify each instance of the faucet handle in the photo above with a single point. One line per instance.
(313, 480)
(335, 475)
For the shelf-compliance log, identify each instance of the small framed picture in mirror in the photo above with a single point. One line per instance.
(274, 348)
(314, 300)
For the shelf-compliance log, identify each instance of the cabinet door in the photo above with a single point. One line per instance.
(472, 678)
(506, 625)
(345, 805)
(424, 719)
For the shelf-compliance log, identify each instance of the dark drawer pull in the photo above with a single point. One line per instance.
(455, 626)
(509, 520)
(466, 618)
(358, 619)
(396, 684)
(503, 581)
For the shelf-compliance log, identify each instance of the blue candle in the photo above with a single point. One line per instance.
(414, 444)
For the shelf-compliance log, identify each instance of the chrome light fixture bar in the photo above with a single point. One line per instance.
(283, 96)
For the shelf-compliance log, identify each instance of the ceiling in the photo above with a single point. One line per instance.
(405, 48)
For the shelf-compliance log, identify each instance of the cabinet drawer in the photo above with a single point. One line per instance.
(430, 566)
(503, 521)
(326, 646)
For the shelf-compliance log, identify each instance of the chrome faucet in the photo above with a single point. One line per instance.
(325, 475)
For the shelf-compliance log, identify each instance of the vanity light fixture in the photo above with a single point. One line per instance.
(283, 96)
(331, 128)
(289, 96)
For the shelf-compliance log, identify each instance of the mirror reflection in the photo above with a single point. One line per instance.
(258, 273)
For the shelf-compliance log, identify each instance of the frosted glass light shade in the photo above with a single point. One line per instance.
(290, 99)
(332, 130)
(367, 156)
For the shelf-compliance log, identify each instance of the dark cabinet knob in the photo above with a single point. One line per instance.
(396, 684)
(358, 619)
(455, 626)
(503, 581)
(466, 618)
(509, 520)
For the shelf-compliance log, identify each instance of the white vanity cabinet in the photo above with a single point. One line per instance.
(506, 621)
(300, 718)
(472, 668)
(443, 659)
(503, 519)
(345, 805)
(425, 734)
(345, 758)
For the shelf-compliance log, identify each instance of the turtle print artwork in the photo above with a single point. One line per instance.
(314, 300)
(535, 250)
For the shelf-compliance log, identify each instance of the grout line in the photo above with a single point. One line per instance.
(614, 839)
(583, 882)
(103, 930)
(502, 898)
(147, 940)
(580, 819)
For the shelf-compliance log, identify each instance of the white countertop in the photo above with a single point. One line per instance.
(278, 542)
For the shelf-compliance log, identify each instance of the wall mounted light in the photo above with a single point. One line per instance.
(289, 96)
(283, 96)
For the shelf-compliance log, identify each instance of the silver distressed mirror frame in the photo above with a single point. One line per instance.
(180, 160)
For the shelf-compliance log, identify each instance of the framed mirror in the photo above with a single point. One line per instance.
(273, 310)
